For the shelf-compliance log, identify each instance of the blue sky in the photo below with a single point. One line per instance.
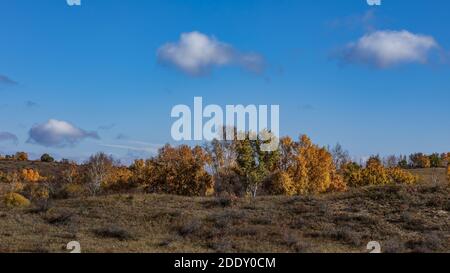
(98, 70)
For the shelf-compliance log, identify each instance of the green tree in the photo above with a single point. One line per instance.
(47, 158)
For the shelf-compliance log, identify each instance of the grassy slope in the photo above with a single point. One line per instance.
(402, 218)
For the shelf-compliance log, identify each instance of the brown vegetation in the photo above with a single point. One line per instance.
(403, 218)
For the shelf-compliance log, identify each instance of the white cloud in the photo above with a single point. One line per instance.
(389, 48)
(196, 54)
(55, 133)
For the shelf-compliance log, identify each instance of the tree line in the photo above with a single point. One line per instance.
(236, 167)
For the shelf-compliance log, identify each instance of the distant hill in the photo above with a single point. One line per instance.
(44, 168)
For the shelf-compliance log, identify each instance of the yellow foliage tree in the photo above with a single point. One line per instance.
(312, 169)
(375, 173)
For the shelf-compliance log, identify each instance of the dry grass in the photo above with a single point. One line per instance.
(405, 219)
(401, 218)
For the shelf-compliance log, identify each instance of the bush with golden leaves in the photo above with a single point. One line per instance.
(32, 176)
(280, 184)
(16, 200)
(352, 174)
(375, 174)
(73, 190)
(21, 156)
(400, 176)
(120, 178)
(181, 170)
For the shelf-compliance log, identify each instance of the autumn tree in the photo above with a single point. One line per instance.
(120, 178)
(340, 156)
(352, 173)
(142, 171)
(435, 160)
(402, 162)
(420, 161)
(21, 156)
(181, 170)
(71, 174)
(391, 161)
(223, 167)
(99, 169)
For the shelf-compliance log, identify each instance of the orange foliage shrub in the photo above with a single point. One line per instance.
(181, 171)
(119, 179)
(142, 171)
(30, 175)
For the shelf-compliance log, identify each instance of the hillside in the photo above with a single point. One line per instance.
(401, 218)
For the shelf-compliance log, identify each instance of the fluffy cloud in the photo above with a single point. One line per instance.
(389, 48)
(5, 136)
(197, 54)
(55, 133)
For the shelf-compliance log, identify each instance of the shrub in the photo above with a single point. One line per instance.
(281, 184)
(400, 176)
(181, 171)
(16, 200)
(21, 156)
(30, 175)
(420, 161)
(352, 173)
(40, 192)
(2, 177)
(119, 179)
(375, 173)
(73, 190)
(448, 172)
(47, 158)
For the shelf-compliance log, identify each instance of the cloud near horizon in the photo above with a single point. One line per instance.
(384, 49)
(56, 133)
(198, 54)
(6, 136)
